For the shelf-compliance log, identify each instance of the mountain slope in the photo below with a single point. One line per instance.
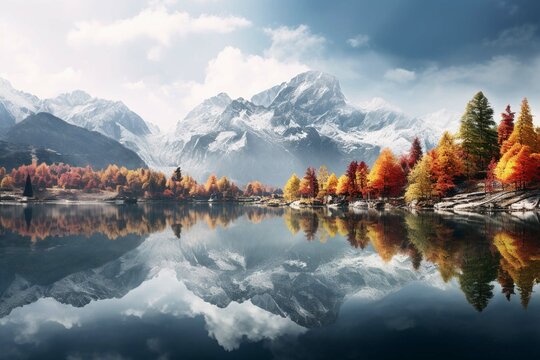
(78, 146)
(304, 122)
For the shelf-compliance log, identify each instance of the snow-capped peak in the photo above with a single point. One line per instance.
(77, 97)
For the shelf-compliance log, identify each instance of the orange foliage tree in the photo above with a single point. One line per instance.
(386, 177)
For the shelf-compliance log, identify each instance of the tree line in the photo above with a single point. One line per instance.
(481, 153)
(147, 183)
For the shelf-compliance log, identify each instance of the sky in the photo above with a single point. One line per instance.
(163, 57)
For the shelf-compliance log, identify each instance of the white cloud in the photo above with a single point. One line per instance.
(237, 74)
(358, 41)
(154, 23)
(293, 43)
(400, 75)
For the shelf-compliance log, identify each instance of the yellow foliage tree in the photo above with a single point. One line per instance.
(292, 188)
(523, 132)
(420, 184)
(342, 185)
(331, 184)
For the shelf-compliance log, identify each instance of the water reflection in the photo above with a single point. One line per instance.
(274, 271)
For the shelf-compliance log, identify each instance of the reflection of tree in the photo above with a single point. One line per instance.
(39, 222)
(479, 269)
(387, 236)
(520, 252)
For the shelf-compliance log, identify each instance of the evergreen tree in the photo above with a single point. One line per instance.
(28, 191)
(478, 132)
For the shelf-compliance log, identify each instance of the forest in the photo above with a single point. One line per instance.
(481, 156)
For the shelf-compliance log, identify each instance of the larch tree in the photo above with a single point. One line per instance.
(415, 153)
(386, 177)
(518, 166)
(331, 184)
(447, 165)
(523, 132)
(505, 128)
(362, 172)
(309, 186)
(478, 132)
(322, 178)
(352, 189)
(420, 183)
(342, 185)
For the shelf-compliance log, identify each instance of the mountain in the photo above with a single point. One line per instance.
(76, 145)
(14, 155)
(110, 118)
(306, 121)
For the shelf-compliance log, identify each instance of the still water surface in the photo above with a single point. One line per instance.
(245, 282)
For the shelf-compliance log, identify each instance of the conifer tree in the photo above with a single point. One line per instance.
(28, 191)
(415, 153)
(331, 184)
(292, 187)
(309, 185)
(478, 132)
(352, 189)
(505, 128)
(523, 132)
(362, 172)
(386, 177)
(342, 185)
(420, 184)
(447, 165)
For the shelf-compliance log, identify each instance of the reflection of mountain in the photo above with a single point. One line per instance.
(227, 255)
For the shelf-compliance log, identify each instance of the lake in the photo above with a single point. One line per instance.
(248, 282)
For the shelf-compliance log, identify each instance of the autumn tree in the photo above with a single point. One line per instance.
(523, 132)
(309, 187)
(292, 187)
(415, 153)
(7, 182)
(386, 177)
(478, 132)
(352, 189)
(322, 178)
(447, 165)
(342, 187)
(490, 177)
(331, 184)
(362, 172)
(420, 185)
(505, 128)
(518, 166)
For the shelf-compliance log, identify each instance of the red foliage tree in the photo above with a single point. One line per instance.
(505, 127)
(352, 188)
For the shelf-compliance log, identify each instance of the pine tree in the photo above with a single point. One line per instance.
(523, 132)
(28, 191)
(505, 128)
(478, 132)
(292, 187)
(420, 184)
(386, 177)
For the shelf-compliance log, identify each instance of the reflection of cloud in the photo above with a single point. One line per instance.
(162, 294)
